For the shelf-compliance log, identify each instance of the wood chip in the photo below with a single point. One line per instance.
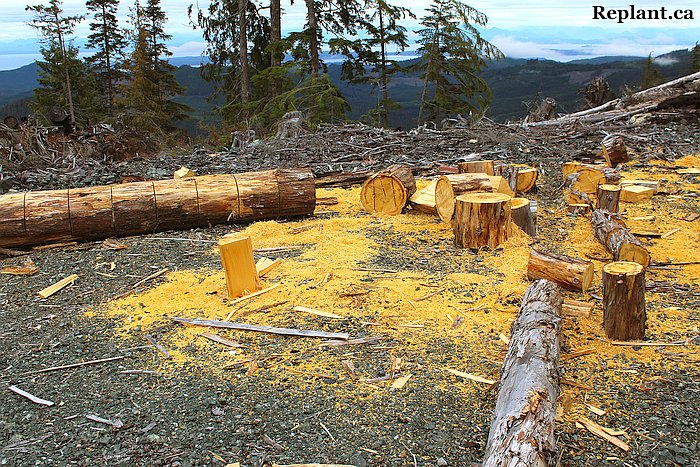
(578, 353)
(31, 397)
(575, 384)
(349, 368)
(401, 381)
(148, 278)
(576, 308)
(431, 294)
(313, 311)
(265, 266)
(598, 430)
(253, 295)
(595, 410)
(504, 339)
(27, 268)
(74, 365)
(671, 232)
(113, 244)
(115, 423)
(361, 340)
(645, 344)
(692, 217)
(52, 289)
(220, 340)
(470, 376)
(157, 345)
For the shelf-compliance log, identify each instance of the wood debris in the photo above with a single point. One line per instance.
(116, 423)
(253, 295)
(265, 329)
(266, 265)
(313, 311)
(598, 430)
(221, 340)
(113, 244)
(52, 289)
(27, 268)
(401, 381)
(470, 376)
(31, 397)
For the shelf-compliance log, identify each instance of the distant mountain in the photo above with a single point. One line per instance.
(512, 81)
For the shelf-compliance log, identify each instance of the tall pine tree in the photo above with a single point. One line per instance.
(63, 79)
(109, 41)
(651, 75)
(452, 55)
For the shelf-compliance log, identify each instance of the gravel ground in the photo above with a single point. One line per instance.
(186, 417)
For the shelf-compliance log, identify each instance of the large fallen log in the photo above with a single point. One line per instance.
(436, 199)
(619, 241)
(522, 429)
(566, 271)
(144, 207)
(388, 191)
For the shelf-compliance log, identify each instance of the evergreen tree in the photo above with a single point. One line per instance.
(452, 55)
(651, 76)
(695, 58)
(59, 65)
(109, 40)
(147, 97)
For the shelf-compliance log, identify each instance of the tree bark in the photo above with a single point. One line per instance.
(388, 191)
(624, 308)
(485, 167)
(275, 31)
(509, 173)
(522, 429)
(313, 38)
(481, 220)
(608, 198)
(468, 182)
(565, 271)
(522, 215)
(617, 239)
(614, 151)
(144, 207)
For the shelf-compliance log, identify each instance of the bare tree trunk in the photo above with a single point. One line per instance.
(313, 38)
(384, 111)
(110, 90)
(69, 91)
(243, 50)
(275, 31)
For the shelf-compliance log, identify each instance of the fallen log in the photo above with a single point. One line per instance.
(565, 271)
(437, 199)
(624, 308)
(469, 182)
(144, 207)
(481, 220)
(522, 429)
(615, 236)
(608, 198)
(388, 191)
(522, 215)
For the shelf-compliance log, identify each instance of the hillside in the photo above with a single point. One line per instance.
(513, 81)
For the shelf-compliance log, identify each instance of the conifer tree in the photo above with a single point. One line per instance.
(109, 40)
(452, 55)
(651, 75)
(59, 68)
(695, 58)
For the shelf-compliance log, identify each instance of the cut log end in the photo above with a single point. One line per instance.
(387, 192)
(526, 178)
(634, 253)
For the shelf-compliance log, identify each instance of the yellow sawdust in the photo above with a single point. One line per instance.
(689, 161)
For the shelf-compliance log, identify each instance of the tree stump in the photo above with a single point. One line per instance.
(624, 308)
(654, 184)
(614, 151)
(436, 199)
(570, 167)
(608, 198)
(481, 220)
(510, 174)
(485, 167)
(522, 215)
(522, 428)
(388, 191)
(526, 178)
(236, 252)
(617, 239)
(565, 271)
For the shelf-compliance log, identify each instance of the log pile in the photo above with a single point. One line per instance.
(144, 207)
(522, 429)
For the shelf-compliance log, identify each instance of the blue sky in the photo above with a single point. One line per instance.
(544, 29)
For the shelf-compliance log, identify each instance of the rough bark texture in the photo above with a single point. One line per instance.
(481, 220)
(624, 308)
(485, 167)
(522, 430)
(468, 182)
(614, 151)
(522, 215)
(509, 173)
(617, 239)
(565, 271)
(608, 198)
(388, 191)
(144, 207)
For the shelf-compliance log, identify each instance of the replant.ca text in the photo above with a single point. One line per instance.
(631, 13)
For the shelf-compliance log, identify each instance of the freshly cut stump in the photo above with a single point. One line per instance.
(388, 191)
(485, 167)
(618, 239)
(436, 199)
(624, 308)
(565, 271)
(509, 172)
(522, 215)
(570, 167)
(236, 252)
(526, 178)
(608, 198)
(636, 194)
(522, 429)
(481, 220)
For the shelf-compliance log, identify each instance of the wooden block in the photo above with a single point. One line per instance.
(236, 252)
(654, 184)
(52, 289)
(636, 194)
(183, 172)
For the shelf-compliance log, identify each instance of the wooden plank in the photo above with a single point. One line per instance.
(265, 329)
(52, 289)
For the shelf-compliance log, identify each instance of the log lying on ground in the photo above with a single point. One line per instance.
(614, 151)
(388, 191)
(636, 193)
(624, 308)
(522, 429)
(565, 271)
(485, 167)
(617, 239)
(437, 199)
(501, 185)
(469, 182)
(509, 173)
(144, 207)
(608, 198)
(522, 215)
(481, 220)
